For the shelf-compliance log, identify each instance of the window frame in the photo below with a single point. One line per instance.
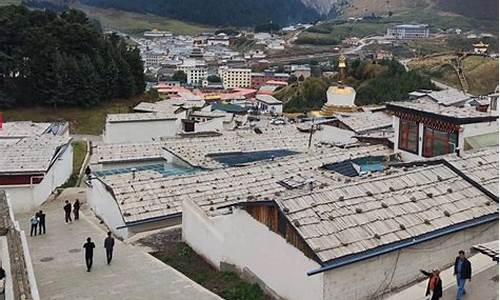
(404, 132)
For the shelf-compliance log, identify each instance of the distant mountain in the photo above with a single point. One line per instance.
(219, 12)
(468, 8)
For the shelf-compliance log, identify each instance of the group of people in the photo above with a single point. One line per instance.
(462, 272)
(37, 222)
(67, 211)
(109, 243)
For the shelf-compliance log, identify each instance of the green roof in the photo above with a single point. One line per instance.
(228, 107)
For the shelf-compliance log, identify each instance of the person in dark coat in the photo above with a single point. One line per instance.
(462, 271)
(87, 172)
(67, 211)
(109, 243)
(76, 209)
(89, 253)
(41, 222)
(434, 285)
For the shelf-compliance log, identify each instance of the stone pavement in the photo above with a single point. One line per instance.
(58, 261)
(482, 286)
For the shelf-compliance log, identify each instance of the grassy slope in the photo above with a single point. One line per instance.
(82, 121)
(133, 23)
(481, 72)
(225, 284)
(420, 14)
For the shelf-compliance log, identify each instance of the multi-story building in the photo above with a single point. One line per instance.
(235, 77)
(195, 70)
(409, 31)
(157, 34)
(260, 79)
(154, 58)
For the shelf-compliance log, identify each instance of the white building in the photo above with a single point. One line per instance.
(303, 71)
(140, 127)
(424, 129)
(195, 70)
(345, 240)
(235, 77)
(409, 31)
(157, 34)
(32, 168)
(269, 104)
(220, 39)
(154, 58)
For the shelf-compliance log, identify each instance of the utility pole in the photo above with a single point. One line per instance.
(311, 133)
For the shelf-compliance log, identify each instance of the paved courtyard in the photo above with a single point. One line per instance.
(58, 261)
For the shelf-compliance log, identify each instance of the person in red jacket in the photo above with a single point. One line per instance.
(434, 285)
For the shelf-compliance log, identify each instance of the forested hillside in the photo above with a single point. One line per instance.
(51, 59)
(218, 12)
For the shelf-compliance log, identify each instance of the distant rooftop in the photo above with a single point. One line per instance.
(268, 99)
(21, 129)
(137, 117)
(360, 122)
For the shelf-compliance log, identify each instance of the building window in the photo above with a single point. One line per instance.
(408, 136)
(437, 142)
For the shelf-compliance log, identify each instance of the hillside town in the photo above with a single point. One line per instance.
(212, 177)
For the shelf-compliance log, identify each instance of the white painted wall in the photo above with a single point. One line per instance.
(139, 131)
(27, 197)
(470, 130)
(366, 279)
(241, 240)
(268, 108)
(27, 255)
(105, 207)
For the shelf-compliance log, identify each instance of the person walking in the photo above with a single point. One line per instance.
(67, 212)
(462, 271)
(89, 253)
(41, 222)
(34, 224)
(434, 285)
(109, 243)
(76, 209)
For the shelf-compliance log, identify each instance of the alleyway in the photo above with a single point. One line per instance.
(58, 261)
